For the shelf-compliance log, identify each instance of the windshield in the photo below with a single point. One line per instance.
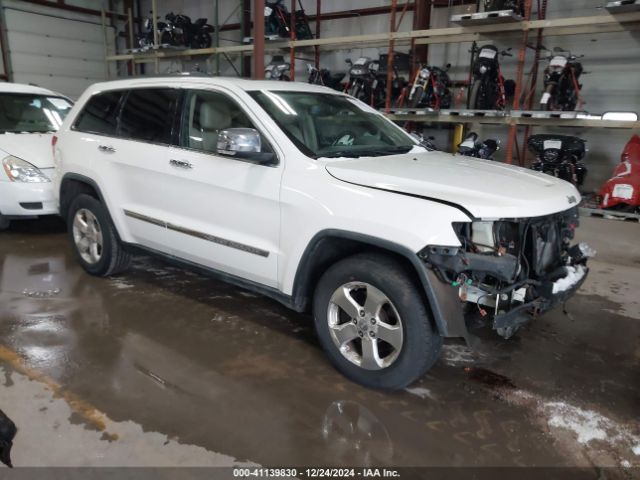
(27, 113)
(328, 125)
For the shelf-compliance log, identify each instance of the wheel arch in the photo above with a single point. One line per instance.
(330, 246)
(74, 184)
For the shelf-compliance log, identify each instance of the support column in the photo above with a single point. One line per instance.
(258, 39)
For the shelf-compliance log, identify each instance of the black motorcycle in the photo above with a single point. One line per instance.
(145, 39)
(489, 90)
(363, 78)
(430, 88)
(190, 34)
(277, 69)
(562, 81)
(472, 147)
(278, 21)
(495, 5)
(560, 156)
(324, 77)
(368, 81)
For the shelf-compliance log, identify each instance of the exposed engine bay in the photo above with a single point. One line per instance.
(513, 269)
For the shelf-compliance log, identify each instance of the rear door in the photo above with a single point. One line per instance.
(227, 215)
(135, 163)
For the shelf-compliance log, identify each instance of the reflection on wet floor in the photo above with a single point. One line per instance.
(212, 365)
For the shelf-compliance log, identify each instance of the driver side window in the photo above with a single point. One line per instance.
(206, 114)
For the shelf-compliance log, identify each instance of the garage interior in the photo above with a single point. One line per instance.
(162, 367)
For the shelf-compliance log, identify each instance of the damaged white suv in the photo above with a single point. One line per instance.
(310, 197)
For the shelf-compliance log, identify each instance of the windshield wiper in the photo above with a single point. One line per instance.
(368, 153)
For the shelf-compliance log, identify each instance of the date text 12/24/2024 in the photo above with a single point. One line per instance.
(315, 473)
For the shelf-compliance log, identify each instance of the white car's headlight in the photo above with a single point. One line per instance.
(19, 170)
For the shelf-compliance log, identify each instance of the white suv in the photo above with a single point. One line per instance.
(28, 117)
(310, 197)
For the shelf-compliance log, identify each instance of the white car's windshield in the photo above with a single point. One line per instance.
(328, 125)
(28, 113)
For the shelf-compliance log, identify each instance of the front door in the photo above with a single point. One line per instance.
(226, 212)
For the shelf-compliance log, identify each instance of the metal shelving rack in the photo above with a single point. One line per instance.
(614, 20)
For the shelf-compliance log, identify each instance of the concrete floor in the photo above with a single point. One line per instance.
(164, 367)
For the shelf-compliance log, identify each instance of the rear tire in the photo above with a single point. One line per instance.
(388, 305)
(93, 238)
(5, 223)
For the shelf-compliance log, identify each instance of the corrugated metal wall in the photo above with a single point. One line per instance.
(54, 48)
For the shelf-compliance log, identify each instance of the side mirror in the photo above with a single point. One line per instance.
(347, 60)
(244, 144)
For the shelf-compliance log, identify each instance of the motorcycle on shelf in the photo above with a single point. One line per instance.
(363, 78)
(324, 77)
(496, 5)
(622, 192)
(145, 40)
(368, 81)
(488, 89)
(562, 81)
(472, 147)
(560, 156)
(430, 88)
(278, 21)
(190, 34)
(277, 69)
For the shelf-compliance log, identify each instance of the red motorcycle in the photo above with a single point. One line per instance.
(622, 191)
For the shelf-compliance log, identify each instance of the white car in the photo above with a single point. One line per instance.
(28, 117)
(311, 197)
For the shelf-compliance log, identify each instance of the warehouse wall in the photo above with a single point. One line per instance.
(612, 60)
(54, 48)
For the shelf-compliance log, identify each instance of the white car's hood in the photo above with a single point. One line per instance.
(34, 148)
(485, 188)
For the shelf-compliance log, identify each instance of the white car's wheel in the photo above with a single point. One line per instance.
(373, 323)
(4, 223)
(94, 239)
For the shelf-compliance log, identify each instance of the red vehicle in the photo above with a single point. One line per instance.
(622, 191)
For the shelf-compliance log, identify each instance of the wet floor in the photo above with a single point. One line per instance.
(211, 366)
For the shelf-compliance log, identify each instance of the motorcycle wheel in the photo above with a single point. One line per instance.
(354, 90)
(202, 40)
(417, 97)
(474, 96)
(166, 38)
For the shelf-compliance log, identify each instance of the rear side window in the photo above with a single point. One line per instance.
(99, 115)
(148, 115)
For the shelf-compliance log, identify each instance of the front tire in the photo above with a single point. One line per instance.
(373, 323)
(5, 223)
(93, 238)
(474, 95)
(417, 97)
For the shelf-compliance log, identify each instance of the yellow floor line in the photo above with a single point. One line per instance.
(87, 411)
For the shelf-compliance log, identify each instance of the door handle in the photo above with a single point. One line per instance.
(106, 149)
(180, 164)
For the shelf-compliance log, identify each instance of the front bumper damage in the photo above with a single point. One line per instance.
(522, 269)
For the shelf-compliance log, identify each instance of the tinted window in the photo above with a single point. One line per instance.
(148, 115)
(206, 114)
(99, 114)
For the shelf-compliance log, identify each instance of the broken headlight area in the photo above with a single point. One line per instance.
(512, 269)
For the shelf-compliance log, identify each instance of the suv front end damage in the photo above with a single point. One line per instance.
(511, 270)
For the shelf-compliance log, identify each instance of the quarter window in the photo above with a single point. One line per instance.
(148, 115)
(99, 114)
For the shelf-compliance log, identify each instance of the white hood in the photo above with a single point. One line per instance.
(485, 188)
(34, 148)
